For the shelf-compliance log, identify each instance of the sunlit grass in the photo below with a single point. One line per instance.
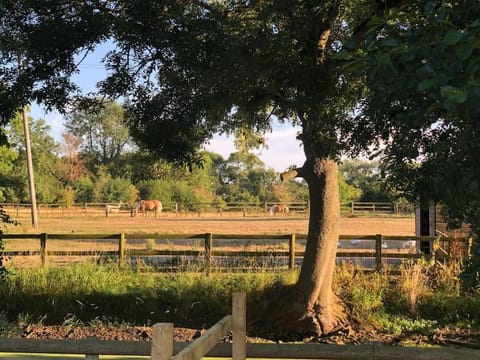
(420, 299)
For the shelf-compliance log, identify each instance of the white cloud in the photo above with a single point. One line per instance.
(283, 150)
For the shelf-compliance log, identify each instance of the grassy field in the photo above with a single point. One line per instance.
(231, 224)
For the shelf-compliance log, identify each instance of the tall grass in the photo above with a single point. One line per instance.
(85, 292)
(423, 296)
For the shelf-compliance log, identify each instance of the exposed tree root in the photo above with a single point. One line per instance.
(286, 317)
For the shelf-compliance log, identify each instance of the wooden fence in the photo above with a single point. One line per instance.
(300, 208)
(92, 347)
(209, 344)
(162, 339)
(274, 250)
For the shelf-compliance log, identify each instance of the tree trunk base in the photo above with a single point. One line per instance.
(286, 317)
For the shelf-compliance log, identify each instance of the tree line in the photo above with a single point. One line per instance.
(97, 161)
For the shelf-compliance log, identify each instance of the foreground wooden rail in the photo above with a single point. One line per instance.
(93, 347)
(208, 251)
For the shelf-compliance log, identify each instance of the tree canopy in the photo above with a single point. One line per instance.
(420, 103)
(103, 131)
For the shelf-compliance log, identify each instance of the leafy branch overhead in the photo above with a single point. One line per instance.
(421, 100)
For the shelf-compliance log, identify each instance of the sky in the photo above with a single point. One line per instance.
(283, 149)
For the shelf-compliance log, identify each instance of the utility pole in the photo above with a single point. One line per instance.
(28, 151)
(31, 181)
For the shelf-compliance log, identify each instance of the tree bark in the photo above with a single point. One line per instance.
(315, 309)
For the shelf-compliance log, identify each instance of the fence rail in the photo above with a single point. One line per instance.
(280, 251)
(95, 346)
(300, 208)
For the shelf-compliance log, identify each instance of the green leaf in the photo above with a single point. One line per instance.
(350, 43)
(426, 84)
(476, 44)
(453, 94)
(389, 42)
(425, 69)
(463, 53)
(342, 55)
(452, 37)
(429, 6)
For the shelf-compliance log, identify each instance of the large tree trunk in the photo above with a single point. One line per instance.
(315, 310)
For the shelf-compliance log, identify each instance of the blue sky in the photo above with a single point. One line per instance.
(283, 148)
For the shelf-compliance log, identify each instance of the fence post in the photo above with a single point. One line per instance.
(291, 252)
(43, 248)
(378, 251)
(121, 249)
(239, 326)
(208, 251)
(162, 341)
(469, 247)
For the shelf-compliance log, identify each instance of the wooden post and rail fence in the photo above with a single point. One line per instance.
(287, 246)
(21, 210)
(210, 344)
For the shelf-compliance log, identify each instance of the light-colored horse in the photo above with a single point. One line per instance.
(278, 209)
(147, 205)
(111, 209)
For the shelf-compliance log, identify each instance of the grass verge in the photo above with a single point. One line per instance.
(422, 298)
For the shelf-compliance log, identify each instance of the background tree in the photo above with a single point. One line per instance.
(156, 189)
(4, 219)
(67, 196)
(84, 192)
(109, 189)
(8, 156)
(366, 176)
(104, 135)
(70, 167)
(348, 193)
(245, 179)
(45, 152)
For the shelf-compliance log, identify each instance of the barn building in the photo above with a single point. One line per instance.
(429, 221)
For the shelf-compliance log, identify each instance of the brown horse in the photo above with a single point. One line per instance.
(278, 209)
(147, 205)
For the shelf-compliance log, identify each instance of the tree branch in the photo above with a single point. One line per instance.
(293, 173)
